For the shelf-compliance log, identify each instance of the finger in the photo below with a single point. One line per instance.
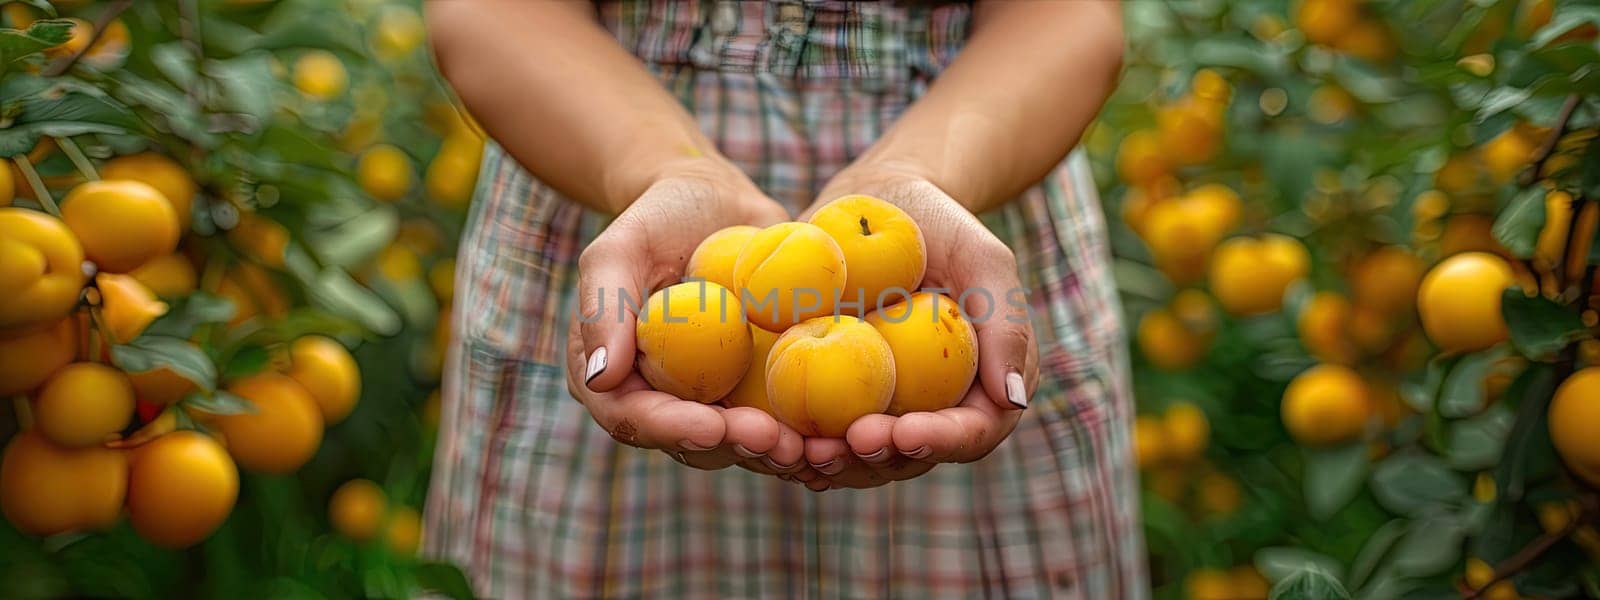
(963, 433)
(828, 456)
(992, 297)
(870, 439)
(712, 460)
(758, 441)
(656, 420)
(612, 286)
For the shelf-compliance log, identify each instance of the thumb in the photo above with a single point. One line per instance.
(994, 300)
(611, 289)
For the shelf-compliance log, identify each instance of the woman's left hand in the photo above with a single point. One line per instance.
(962, 255)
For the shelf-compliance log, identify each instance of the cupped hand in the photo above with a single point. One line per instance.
(980, 271)
(644, 249)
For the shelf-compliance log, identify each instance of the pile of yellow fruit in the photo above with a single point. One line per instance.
(787, 319)
(89, 278)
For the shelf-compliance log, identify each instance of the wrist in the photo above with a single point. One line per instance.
(625, 186)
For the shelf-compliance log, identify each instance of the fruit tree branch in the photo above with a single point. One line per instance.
(1525, 557)
(61, 65)
(1549, 146)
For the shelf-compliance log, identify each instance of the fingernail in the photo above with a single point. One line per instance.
(744, 452)
(772, 464)
(690, 446)
(1016, 393)
(876, 457)
(831, 467)
(920, 453)
(597, 363)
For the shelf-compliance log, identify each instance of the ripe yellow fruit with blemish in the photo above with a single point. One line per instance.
(1459, 301)
(692, 341)
(752, 388)
(83, 403)
(826, 372)
(935, 351)
(714, 259)
(121, 223)
(789, 272)
(883, 249)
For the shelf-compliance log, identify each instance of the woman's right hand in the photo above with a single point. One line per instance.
(646, 248)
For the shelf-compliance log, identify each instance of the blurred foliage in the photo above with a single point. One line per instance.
(1355, 439)
(332, 171)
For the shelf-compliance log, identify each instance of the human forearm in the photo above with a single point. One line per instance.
(1012, 104)
(564, 99)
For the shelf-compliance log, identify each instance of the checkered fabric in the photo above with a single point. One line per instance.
(533, 499)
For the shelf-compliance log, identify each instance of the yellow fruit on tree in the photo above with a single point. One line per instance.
(384, 171)
(399, 31)
(1187, 431)
(41, 268)
(398, 264)
(261, 238)
(453, 173)
(1508, 153)
(1217, 494)
(1168, 342)
(320, 75)
(1325, 21)
(403, 532)
(1141, 159)
(46, 489)
(1573, 414)
(442, 279)
(1191, 130)
(170, 276)
(1209, 584)
(121, 223)
(357, 509)
(1149, 441)
(83, 404)
(1182, 232)
(282, 434)
(181, 487)
(77, 39)
(127, 307)
(8, 187)
(31, 356)
(161, 173)
(326, 369)
(1469, 233)
(1249, 584)
(1367, 40)
(1386, 280)
(1480, 573)
(1250, 275)
(1324, 326)
(1459, 301)
(1325, 405)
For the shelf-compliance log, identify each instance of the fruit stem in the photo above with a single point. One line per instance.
(79, 160)
(24, 412)
(99, 330)
(864, 229)
(1549, 146)
(40, 192)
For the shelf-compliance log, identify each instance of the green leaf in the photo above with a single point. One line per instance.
(1528, 452)
(443, 578)
(1411, 484)
(1517, 227)
(246, 84)
(1462, 392)
(188, 313)
(62, 110)
(220, 403)
(1539, 326)
(1333, 476)
(1477, 443)
(246, 361)
(349, 243)
(1375, 551)
(1568, 16)
(1279, 563)
(43, 33)
(150, 352)
(335, 291)
(1309, 583)
(1431, 545)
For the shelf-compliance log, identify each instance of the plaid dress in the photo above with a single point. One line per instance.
(534, 499)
